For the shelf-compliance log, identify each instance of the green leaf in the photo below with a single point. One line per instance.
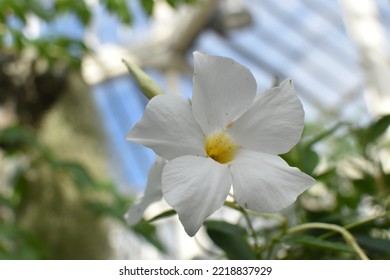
(324, 134)
(232, 239)
(21, 187)
(173, 3)
(119, 9)
(148, 6)
(177, 3)
(191, 1)
(163, 215)
(303, 157)
(25, 245)
(14, 137)
(374, 131)
(79, 8)
(115, 209)
(99, 208)
(80, 175)
(6, 202)
(367, 184)
(309, 160)
(376, 245)
(37, 8)
(312, 241)
(148, 231)
(19, 10)
(378, 128)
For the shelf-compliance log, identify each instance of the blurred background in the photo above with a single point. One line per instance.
(67, 175)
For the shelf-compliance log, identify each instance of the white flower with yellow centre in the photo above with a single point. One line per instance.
(226, 137)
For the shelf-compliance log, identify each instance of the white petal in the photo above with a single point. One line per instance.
(266, 183)
(152, 193)
(169, 128)
(273, 124)
(195, 187)
(223, 91)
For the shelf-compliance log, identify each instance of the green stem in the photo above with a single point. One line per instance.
(346, 234)
(358, 223)
(249, 222)
(282, 220)
(279, 218)
(254, 234)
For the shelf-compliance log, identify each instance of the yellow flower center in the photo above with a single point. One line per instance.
(220, 147)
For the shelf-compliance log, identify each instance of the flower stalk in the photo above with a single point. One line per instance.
(253, 233)
(349, 239)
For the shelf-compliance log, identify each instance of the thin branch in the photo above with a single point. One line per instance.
(248, 221)
(357, 223)
(345, 233)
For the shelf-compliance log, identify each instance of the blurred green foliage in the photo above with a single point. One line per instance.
(55, 48)
(352, 191)
(52, 48)
(232, 239)
(54, 209)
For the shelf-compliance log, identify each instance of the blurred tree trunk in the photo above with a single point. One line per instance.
(57, 106)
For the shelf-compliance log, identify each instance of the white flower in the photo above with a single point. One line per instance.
(152, 193)
(227, 136)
